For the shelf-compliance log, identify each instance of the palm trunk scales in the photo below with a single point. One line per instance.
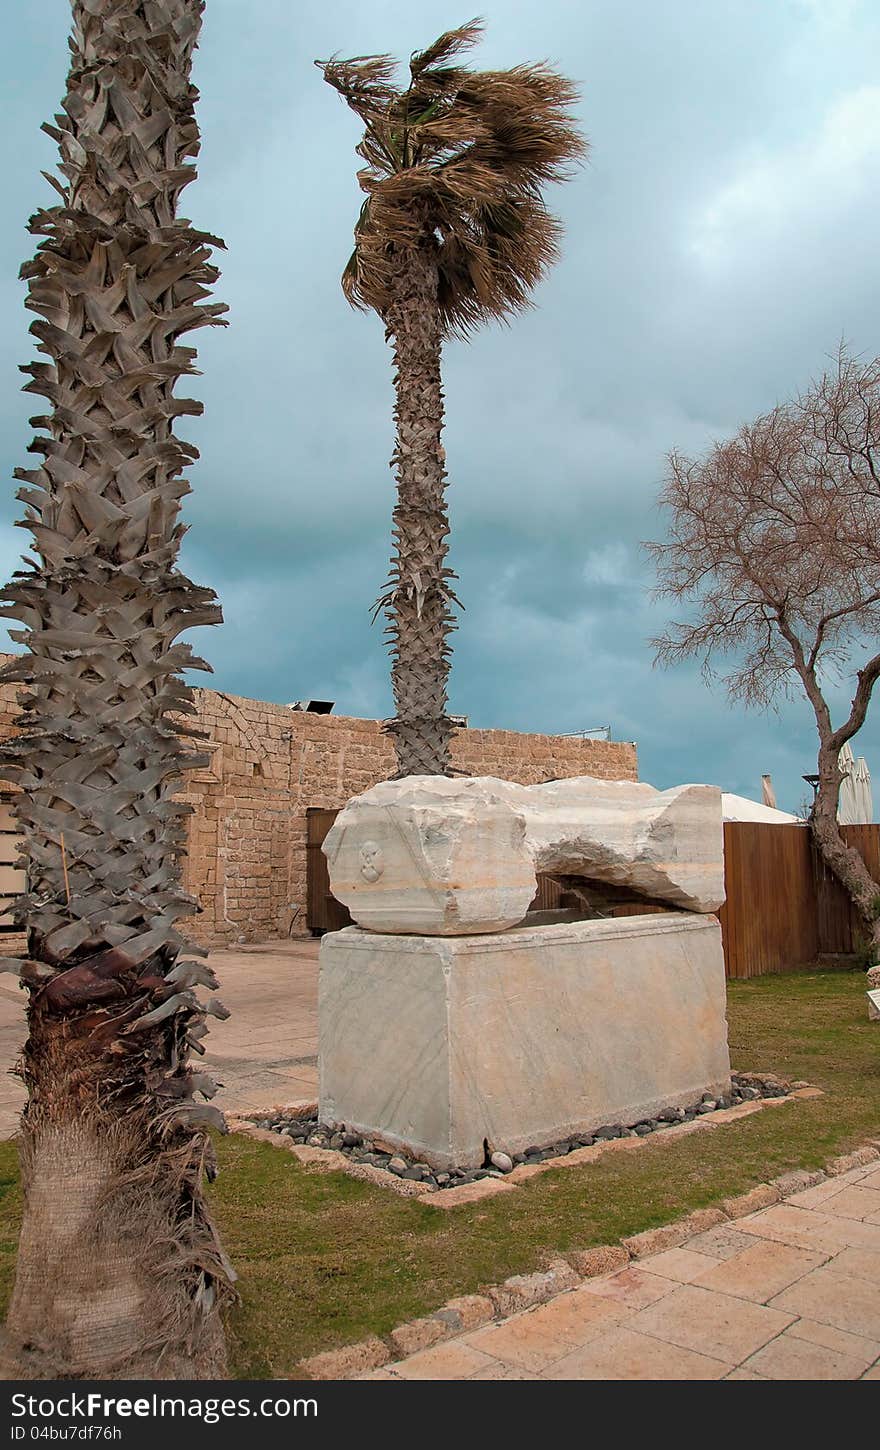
(120, 1273)
(417, 601)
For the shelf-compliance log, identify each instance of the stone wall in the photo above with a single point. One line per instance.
(269, 764)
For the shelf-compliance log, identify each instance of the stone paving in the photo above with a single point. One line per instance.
(789, 1293)
(264, 1054)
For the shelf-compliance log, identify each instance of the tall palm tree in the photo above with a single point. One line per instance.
(454, 232)
(120, 1273)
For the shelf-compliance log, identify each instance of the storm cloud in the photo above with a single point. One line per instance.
(720, 240)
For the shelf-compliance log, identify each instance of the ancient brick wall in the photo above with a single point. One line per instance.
(268, 765)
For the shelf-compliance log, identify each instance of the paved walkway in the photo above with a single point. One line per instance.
(792, 1292)
(265, 1053)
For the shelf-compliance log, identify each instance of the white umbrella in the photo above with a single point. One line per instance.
(855, 805)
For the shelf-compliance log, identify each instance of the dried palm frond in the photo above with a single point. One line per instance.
(456, 161)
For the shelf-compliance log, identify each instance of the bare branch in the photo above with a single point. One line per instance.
(773, 546)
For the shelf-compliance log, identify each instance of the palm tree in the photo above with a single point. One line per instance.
(120, 1273)
(454, 232)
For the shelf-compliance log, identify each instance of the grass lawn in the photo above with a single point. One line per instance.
(325, 1259)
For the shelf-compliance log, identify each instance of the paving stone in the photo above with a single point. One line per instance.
(836, 1299)
(762, 1271)
(732, 1115)
(720, 1243)
(787, 1225)
(789, 1358)
(633, 1288)
(854, 1346)
(854, 1202)
(623, 1354)
(817, 1196)
(743, 1374)
(858, 1264)
(501, 1371)
(842, 1233)
(403, 1187)
(808, 1229)
(576, 1317)
(682, 1265)
(715, 1324)
(454, 1360)
(324, 1160)
(520, 1343)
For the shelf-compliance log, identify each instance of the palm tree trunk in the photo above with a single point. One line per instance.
(417, 601)
(120, 1273)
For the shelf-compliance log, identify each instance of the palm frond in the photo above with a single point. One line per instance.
(456, 162)
(365, 82)
(451, 43)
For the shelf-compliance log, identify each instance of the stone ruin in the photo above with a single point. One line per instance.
(454, 1027)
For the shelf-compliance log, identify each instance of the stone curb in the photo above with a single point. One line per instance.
(564, 1273)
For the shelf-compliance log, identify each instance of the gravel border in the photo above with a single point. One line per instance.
(330, 1160)
(404, 1172)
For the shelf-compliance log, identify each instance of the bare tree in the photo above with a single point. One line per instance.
(774, 541)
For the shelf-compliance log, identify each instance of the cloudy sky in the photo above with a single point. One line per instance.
(721, 239)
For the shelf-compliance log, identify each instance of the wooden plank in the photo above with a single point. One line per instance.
(548, 895)
(768, 920)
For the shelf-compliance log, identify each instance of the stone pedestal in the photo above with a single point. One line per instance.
(520, 1037)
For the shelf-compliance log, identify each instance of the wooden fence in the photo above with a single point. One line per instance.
(783, 907)
(769, 920)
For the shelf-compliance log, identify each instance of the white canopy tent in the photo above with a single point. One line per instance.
(740, 808)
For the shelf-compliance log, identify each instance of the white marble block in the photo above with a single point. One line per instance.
(434, 856)
(442, 1044)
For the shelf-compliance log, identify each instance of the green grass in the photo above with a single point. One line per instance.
(325, 1259)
